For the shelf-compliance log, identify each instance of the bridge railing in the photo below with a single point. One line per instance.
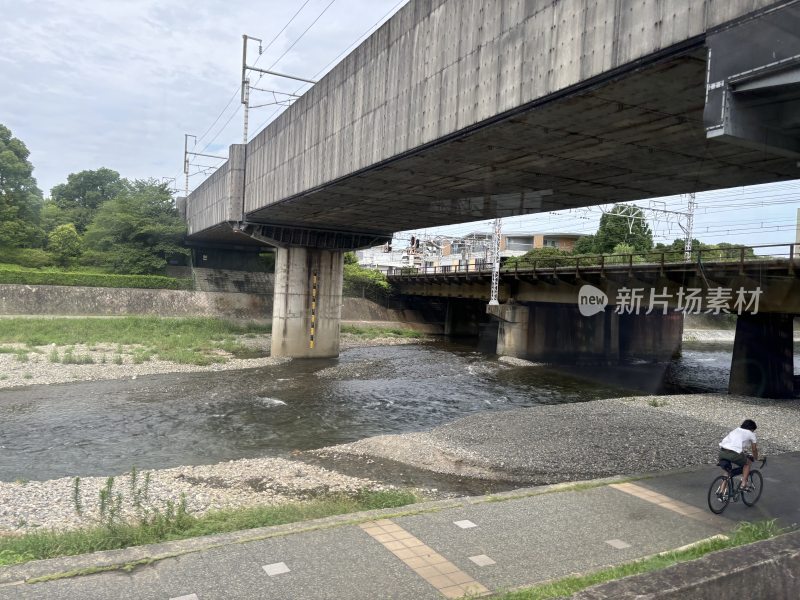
(778, 253)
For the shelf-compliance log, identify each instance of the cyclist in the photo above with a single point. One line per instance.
(734, 447)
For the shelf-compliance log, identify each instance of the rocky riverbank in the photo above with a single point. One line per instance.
(529, 446)
(67, 503)
(569, 442)
(21, 365)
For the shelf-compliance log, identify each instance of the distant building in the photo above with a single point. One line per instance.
(520, 243)
(470, 252)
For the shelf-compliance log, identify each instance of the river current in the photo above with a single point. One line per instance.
(160, 421)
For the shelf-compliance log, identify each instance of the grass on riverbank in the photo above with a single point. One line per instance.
(189, 340)
(745, 533)
(371, 333)
(179, 525)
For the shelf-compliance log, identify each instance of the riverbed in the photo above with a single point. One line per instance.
(291, 429)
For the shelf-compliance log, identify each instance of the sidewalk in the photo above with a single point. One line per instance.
(443, 550)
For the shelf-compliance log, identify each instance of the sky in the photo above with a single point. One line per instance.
(117, 84)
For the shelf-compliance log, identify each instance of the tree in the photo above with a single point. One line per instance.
(623, 225)
(138, 231)
(84, 193)
(52, 216)
(584, 245)
(715, 252)
(65, 243)
(20, 199)
(534, 255)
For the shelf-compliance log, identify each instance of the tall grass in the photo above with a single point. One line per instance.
(191, 340)
(174, 523)
(376, 332)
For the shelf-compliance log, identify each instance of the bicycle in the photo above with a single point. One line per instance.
(726, 487)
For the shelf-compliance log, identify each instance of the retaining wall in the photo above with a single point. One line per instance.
(768, 570)
(75, 300)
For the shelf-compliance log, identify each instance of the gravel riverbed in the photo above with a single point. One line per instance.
(529, 446)
(569, 442)
(33, 366)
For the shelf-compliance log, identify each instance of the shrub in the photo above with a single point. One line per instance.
(94, 280)
(27, 257)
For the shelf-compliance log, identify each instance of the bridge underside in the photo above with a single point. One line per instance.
(636, 136)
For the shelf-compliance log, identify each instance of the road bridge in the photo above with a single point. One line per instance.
(460, 110)
(604, 308)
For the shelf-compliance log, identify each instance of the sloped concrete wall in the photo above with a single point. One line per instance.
(87, 301)
(219, 198)
(768, 570)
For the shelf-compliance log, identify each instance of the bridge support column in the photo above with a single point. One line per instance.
(512, 331)
(308, 302)
(651, 337)
(763, 359)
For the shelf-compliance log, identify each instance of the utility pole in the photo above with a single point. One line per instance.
(186, 137)
(187, 154)
(496, 267)
(687, 251)
(245, 93)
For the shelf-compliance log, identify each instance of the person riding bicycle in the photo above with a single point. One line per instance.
(734, 446)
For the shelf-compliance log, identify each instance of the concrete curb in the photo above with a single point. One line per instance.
(768, 569)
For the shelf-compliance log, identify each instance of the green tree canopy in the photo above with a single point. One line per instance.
(138, 231)
(83, 193)
(584, 245)
(65, 243)
(623, 224)
(20, 199)
(715, 252)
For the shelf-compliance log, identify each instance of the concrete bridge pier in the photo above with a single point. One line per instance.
(552, 332)
(512, 329)
(655, 336)
(763, 356)
(308, 302)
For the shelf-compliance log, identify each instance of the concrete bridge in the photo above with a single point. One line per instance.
(459, 110)
(604, 308)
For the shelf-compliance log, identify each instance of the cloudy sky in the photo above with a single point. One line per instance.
(117, 83)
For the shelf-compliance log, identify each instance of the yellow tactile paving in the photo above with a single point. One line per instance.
(663, 501)
(434, 568)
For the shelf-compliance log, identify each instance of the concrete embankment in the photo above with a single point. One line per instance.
(90, 301)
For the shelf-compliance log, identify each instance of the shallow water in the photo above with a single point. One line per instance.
(159, 421)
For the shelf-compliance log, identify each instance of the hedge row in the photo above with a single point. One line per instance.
(95, 280)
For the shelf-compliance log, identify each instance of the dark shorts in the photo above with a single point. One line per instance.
(736, 458)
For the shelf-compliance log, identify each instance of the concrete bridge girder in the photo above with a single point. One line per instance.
(509, 116)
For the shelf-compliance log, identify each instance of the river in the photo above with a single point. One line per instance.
(159, 421)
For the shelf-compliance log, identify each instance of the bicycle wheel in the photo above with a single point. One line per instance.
(753, 492)
(717, 498)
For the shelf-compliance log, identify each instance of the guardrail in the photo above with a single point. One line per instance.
(741, 255)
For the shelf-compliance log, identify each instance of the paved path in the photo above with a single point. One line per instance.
(472, 545)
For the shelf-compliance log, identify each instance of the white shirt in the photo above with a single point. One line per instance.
(738, 439)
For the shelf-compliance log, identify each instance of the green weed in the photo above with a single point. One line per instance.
(173, 522)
